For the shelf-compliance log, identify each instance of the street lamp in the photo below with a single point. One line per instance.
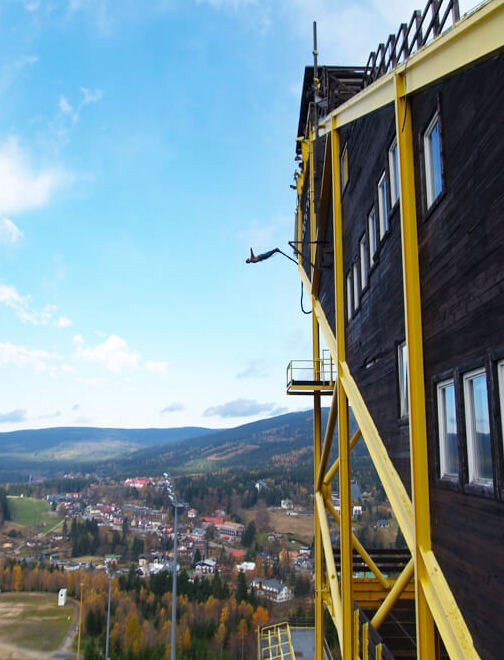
(176, 506)
(109, 575)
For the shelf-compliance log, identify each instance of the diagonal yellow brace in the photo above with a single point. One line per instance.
(394, 487)
(450, 622)
(361, 550)
(399, 586)
(328, 438)
(332, 576)
(335, 466)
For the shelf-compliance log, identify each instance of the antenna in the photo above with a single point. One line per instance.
(315, 54)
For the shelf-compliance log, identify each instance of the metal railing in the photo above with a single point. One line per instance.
(411, 36)
(321, 372)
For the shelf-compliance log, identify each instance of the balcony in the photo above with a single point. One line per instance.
(308, 376)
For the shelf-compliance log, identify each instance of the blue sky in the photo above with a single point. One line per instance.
(144, 147)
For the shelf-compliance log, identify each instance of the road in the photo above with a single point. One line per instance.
(65, 650)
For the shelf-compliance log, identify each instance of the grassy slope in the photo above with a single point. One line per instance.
(34, 621)
(28, 511)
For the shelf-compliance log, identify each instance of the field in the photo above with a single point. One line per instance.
(30, 512)
(300, 526)
(32, 625)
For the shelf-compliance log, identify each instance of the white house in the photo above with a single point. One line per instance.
(272, 590)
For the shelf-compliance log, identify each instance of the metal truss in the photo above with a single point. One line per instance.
(477, 37)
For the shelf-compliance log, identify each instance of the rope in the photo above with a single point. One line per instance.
(302, 308)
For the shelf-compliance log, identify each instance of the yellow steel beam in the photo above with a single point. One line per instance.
(317, 434)
(394, 487)
(321, 211)
(343, 439)
(332, 576)
(329, 337)
(450, 622)
(477, 37)
(416, 381)
(361, 549)
(328, 438)
(356, 630)
(370, 594)
(313, 212)
(399, 585)
(335, 466)
(365, 641)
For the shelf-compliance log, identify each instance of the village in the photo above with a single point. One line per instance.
(115, 523)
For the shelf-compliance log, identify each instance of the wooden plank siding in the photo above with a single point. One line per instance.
(461, 243)
(376, 328)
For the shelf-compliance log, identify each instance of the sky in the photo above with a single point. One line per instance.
(144, 148)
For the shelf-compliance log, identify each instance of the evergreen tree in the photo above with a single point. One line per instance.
(241, 589)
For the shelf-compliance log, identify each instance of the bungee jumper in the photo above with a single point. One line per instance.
(256, 258)
(253, 259)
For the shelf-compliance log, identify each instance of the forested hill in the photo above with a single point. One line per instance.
(42, 440)
(284, 440)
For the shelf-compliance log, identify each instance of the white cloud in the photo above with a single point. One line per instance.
(13, 416)
(114, 353)
(244, 408)
(64, 322)
(90, 95)
(22, 306)
(32, 5)
(68, 115)
(64, 105)
(20, 356)
(157, 367)
(22, 187)
(9, 232)
(176, 406)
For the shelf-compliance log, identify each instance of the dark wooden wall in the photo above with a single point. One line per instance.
(461, 243)
(377, 327)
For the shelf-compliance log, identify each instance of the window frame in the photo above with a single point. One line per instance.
(500, 394)
(373, 237)
(364, 262)
(356, 288)
(403, 394)
(472, 478)
(429, 167)
(383, 210)
(441, 427)
(344, 167)
(394, 173)
(349, 295)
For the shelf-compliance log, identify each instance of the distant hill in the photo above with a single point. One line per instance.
(283, 440)
(286, 440)
(41, 451)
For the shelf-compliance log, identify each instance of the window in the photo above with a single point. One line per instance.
(383, 205)
(363, 262)
(477, 419)
(356, 285)
(402, 369)
(373, 237)
(500, 376)
(432, 150)
(447, 425)
(393, 159)
(349, 295)
(344, 167)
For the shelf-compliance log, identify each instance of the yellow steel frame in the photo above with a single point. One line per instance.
(475, 38)
(270, 645)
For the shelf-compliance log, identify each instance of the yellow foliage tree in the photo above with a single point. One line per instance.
(17, 578)
(260, 616)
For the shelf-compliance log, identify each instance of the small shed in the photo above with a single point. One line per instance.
(62, 596)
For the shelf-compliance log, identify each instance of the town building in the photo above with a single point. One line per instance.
(272, 590)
